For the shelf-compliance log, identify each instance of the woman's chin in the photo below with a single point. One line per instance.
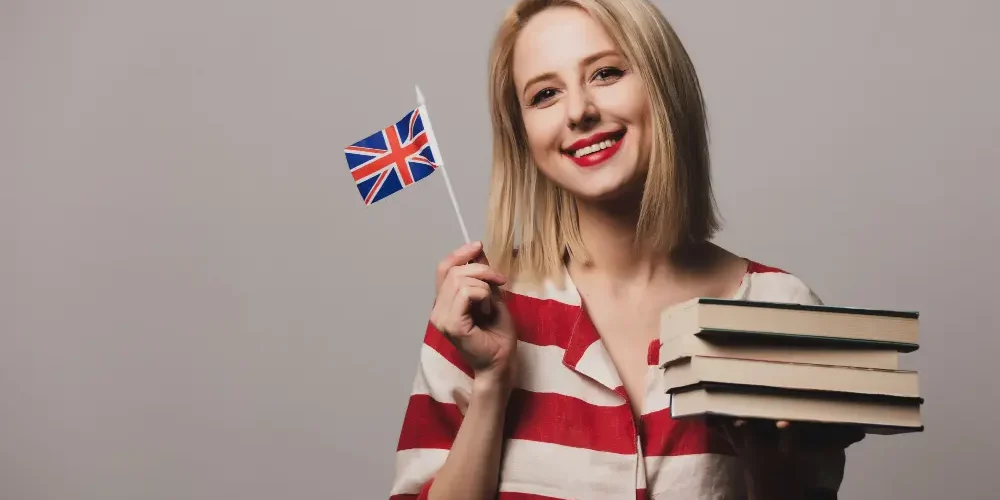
(613, 185)
(607, 182)
(608, 192)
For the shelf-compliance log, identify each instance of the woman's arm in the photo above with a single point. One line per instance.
(450, 444)
(472, 468)
(452, 432)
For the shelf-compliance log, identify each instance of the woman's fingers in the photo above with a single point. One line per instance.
(480, 272)
(457, 322)
(471, 290)
(452, 307)
(460, 256)
(458, 275)
(781, 424)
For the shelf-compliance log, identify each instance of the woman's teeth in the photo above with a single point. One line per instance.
(593, 148)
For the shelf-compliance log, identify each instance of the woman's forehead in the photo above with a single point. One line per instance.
(558, 39)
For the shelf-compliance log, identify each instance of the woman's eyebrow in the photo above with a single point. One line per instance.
(584, 62)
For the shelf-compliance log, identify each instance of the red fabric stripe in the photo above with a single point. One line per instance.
(620, 390)
(437, 341)
(640, 494)
(424, 492)
(429, 424)
(542, 322)
(757, 267)
(664, 436)
(503, 495)
(567, 421)
(582, 336)
(513, 495)
(653, 353)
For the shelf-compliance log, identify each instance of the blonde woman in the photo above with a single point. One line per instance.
(537, 373)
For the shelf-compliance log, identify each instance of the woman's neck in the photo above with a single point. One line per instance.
(608, 232)
(609, 235)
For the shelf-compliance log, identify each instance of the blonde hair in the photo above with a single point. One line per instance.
(677, 204)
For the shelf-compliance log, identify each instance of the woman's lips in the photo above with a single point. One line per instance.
(596, 158)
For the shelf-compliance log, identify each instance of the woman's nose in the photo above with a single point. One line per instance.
(581, 111)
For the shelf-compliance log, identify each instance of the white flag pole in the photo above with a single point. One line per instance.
(439, 162)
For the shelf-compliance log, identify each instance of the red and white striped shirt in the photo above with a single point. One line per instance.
(570, 432)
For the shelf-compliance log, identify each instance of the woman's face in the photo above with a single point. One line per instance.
(586, 113)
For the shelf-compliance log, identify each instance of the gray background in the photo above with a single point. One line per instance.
(195, 304)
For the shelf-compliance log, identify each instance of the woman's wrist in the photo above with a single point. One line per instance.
(492, 385)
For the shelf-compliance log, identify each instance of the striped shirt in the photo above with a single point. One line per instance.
(570, 432)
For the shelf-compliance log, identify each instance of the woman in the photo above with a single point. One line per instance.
(548, 388)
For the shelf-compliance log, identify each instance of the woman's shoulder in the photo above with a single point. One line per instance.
(549, 283)
(767, 283)
(759, 281)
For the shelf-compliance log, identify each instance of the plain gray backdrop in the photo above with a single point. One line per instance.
(195, 304)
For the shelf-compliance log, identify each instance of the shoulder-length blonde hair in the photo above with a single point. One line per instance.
(677, 204)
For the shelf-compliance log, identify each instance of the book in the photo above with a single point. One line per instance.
(773, 348)
(720, 320)
(795, 362)
(874, 415)
(697, 370)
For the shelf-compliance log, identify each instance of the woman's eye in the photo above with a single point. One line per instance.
(608, 74)
(541, 96)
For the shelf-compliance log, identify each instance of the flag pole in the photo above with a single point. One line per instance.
(440, 162)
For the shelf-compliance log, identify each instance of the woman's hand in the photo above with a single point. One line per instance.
(469, 311)
(770, 451)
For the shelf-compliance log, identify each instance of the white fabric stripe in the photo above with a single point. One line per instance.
(565, 472)
(640, 466)
(541, 370)
(414, 468)
(548, 290)
(597, 364)
(441, 380)
(778, 287)
(703, 476)
(656, 395)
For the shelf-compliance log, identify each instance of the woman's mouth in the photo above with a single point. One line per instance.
(595, 149)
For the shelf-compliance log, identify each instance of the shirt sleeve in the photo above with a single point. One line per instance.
(821, 465)
(437, 404)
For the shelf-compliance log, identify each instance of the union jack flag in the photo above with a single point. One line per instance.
(393, 158)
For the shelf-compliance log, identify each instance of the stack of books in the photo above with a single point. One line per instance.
(791, 362)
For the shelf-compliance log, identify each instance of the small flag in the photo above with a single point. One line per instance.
(397, 157)
(393, 158)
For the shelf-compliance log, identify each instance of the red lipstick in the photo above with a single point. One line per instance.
(595, 158)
